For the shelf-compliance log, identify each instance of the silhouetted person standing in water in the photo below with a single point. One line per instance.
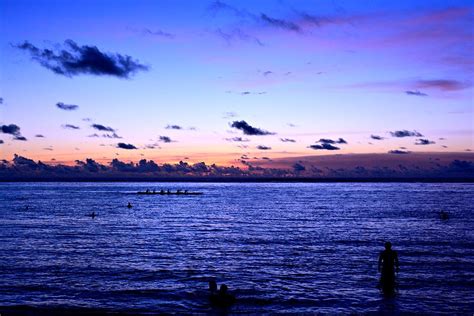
(388, 261)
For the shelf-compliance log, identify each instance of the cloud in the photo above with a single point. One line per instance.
(376, 137)
(113, 135)
(442, 84)
(73, 60)
(330, 141)
(102, 128)
(14, 130)
(11, 129)
(287, 140)
(237, 139)
(405, 133)
(280, 23)
(416, 93)
(398, 152)
(424, 141)
(248, 129)
(173, 127)
(67, 107)
(323, 146)
(70, 126)
(39, 135)
(262, 147)
(237, 34)
(159, 33)
(1, 100)
(297, 167)
(268, 72)
(165, 139)
(1, 141)
(227, 115)
(126, 146)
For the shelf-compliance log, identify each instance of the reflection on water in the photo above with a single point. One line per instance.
(295, 248)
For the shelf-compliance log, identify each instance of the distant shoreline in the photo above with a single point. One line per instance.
(249, 180)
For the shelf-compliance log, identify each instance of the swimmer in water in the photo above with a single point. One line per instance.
(129, 205)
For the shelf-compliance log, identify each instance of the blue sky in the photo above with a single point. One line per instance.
(304, 70)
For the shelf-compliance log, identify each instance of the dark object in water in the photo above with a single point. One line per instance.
(179, 192)
(129, 205)
(443, 215)
(92, 215)
(388, 265)
(220, 298)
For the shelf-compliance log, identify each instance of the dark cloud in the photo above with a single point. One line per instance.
(405, 133)
(126, 146)
(70, 126)
(376, 137)
(248, 129)
(102, 128)
(173, 127)
(165, 139)
(398, 152)
(268, 72)
(424, 141)
(74, 60)
(1, 141)
(280, 23)
(323, 146)
(287, 140)
(262, 147)
(237, 139)
(39, 136)
(67, 107)
(416, 93)
(1, 100)
(11, 129)
(330, 141)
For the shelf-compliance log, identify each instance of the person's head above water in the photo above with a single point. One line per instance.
(212, 286)
(223, 289)
(388, 245)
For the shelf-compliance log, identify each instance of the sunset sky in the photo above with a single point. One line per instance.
(216, 81)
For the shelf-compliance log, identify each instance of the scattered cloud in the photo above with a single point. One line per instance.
(376, 137)
(126, 146)
(416, 93)
(237, 34)
(102, 128)
(159, 33)
(280, 23)
(287, 140)
(442, 84)
(173, 127)
(39, 135)
(1, 141)
(248, 129)
(330, 141)
(268, 72)
(406, 133)
(424, 141)
(67, 107)
(262, 147)
(70, 126)
(73, 60)
(237, 139)
(165, 139)
(323, 146)
(398, 152)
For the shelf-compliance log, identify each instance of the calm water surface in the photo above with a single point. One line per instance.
(288, 248)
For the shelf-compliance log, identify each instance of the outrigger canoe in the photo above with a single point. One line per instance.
(169, 193)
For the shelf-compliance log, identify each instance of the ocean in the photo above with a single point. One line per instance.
(291, 248)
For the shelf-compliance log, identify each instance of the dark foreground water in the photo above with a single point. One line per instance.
(288, 248)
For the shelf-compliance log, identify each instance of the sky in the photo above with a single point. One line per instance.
(235, 82)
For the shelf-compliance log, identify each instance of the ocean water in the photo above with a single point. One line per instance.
(281, 248)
